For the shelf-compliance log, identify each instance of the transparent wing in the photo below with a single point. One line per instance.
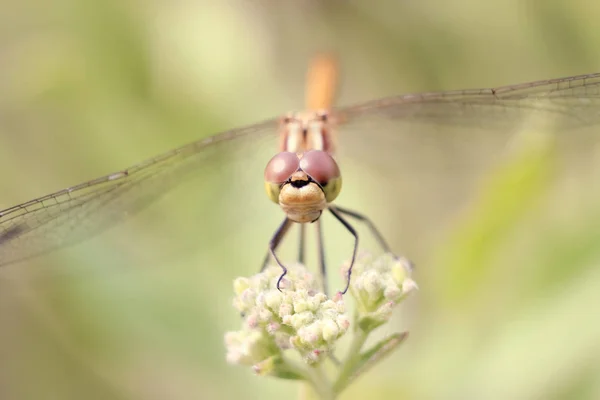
(574, 100)
(433, 145)
(450, 125)
(77, 213)
(418, 160)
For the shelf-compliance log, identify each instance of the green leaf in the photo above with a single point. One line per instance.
(369, 323)
(375, 354)
(276, 366)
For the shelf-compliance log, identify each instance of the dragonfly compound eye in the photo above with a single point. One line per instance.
(323, 169)
(278, 171)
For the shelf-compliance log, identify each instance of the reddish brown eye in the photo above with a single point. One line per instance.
(320, 166)
(281, 167)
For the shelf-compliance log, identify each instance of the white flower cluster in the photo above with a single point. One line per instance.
(297, 317)
(378, 284)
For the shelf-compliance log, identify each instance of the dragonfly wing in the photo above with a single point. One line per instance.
(420, 158)
(573, 101)
(77, 213)
(468, 128)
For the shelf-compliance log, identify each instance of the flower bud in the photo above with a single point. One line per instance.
(378, 285)
(299, 316)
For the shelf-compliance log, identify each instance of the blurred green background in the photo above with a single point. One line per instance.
(508, 266)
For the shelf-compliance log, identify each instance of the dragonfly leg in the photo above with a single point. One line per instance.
(301, 245)
(274, 243)
(374, 231)
(366, 220)
(337, 214)
(321, 249)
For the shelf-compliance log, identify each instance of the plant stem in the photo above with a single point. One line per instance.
(320, 383)
(314, 377)
(307, 392)
(348, 365)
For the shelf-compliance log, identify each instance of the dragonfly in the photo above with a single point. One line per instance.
(304, 178)
(403, 129)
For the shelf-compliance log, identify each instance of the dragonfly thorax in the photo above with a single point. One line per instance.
(308, 130)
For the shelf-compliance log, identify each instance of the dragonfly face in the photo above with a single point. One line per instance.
(303, 183)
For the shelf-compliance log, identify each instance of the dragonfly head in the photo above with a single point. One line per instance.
(303, 183)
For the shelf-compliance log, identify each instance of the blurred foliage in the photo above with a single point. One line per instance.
(509, 280)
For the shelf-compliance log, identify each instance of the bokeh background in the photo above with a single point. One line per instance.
(507, 263)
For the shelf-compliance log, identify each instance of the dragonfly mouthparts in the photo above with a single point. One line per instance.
(300, 182)
(300, 179)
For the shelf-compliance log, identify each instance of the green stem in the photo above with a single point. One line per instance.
(348, 365)
(307, 392)
(320, 383)
(313, 376)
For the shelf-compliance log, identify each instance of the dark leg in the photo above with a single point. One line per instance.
(339, 217)
(321, 249)
(363, 218)
(265, 261)
(301, 248)
(274, 243)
